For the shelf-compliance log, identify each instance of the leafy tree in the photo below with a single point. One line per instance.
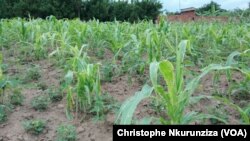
(211, 8)
(104, 10)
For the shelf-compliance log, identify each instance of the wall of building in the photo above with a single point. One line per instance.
(192, 17)
(185, 16)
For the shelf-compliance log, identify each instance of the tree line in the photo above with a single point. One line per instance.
(104, 10)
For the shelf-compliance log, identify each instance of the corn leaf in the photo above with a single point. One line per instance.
(127, 109)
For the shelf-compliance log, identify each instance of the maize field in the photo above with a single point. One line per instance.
(95, 74)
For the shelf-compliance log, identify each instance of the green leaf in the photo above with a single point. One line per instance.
(182, 50)
(230, 58)
(144, 121)
(196, 99)
(244, 115)
(127, 109)
(69, 77)
(192, 85)
(179, 64)
(5, 83)
(154, 72)
(167, 71)
(194, 116)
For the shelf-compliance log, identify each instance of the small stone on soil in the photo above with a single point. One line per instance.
(60, 106)
(8, 136)
(3, 125)
(110, 119)
(80, 129)
(20, 138)
(17, 109)
(28, 116)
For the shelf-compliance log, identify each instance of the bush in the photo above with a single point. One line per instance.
(34, 126)
(66, 133)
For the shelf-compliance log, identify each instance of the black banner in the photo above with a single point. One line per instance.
(194, 132)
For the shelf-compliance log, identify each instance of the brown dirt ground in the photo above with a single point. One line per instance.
(88, 130)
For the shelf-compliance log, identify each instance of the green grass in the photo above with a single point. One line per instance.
(35, 126)
(33, 74)
(55, 94)
(66, 132)
(3, 114)
(16, 98)
(40, 103)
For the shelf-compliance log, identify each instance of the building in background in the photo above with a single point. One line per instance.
(188, 13)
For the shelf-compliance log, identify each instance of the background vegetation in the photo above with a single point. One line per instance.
(104, 10)
(214, 9)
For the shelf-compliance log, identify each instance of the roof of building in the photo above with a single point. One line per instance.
(188, 9)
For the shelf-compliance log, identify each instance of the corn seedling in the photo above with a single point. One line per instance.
(87, 91)
(4, 83)
(86, 77)
(176, 97)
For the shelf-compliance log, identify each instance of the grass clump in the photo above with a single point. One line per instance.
(42, 85)
(3, 114)
(33, 74)
(16, 98)
(66, 133)
(40, 103)
(55, 95)
(35, 126)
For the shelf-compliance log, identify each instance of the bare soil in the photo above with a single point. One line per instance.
(87, 130)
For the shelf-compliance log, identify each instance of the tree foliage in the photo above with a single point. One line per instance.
(211, 8)
(104, 10)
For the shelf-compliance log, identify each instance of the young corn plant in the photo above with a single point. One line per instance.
(177, 96)
(87, 91)
(83, 85)
(4, 83)
(39, 46)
